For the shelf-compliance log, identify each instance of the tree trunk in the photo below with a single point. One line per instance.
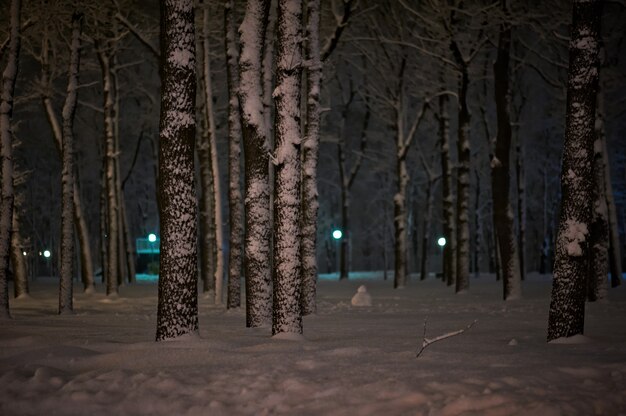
(571, 265)
(256, 148)
(521, 207)
(449, 226)
(67, 173)
(110, 185)
(430, 202)
(217, 188)
(235, 202)
(615, 256)
(207, 224)
(500, 171)
(9, 77)
(399, 211)
(122, 261)
(463, 181)
(20, 274)
(286, 316)
(310, 151)
(178, 275)
(597, 282)
(478, 224)
(86, 258)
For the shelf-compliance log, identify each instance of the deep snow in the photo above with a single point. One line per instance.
(354, 360)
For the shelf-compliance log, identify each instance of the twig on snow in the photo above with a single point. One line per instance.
(428, 341)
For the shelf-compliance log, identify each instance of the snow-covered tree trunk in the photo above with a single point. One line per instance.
(66, 289)
(235, 201)
(178, 274)
(449, 225)
(400, 221)
(86, 259)
(110, 155)
(256, 151)
(9, 76)
(501, 170)
(212, 130)
(20, 274)
(286, 314)
(310, 151)
(571, 264)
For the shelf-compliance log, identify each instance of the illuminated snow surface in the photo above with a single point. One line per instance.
(352, 361)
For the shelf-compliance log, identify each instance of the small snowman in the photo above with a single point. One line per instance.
(361, 298)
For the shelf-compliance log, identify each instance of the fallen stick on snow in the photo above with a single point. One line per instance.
(428, 341)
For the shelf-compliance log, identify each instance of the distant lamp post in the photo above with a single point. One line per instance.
(47, 254)
(337, 234)
(442, 243)
(152, 237)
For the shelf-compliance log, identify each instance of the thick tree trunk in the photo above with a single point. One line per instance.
(310, 151)
(9, 77)
(178, 275)
(20, 274)
(256, 149)
(235, 202)
(217, 188)
(571, 265)
(67, 173)
(501, 171)
(286, 316)
(449, 226)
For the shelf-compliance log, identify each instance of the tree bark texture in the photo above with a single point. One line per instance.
(256, 150)
(109, 176)
(178, 275)
(310, 152)
(286, 315)
(571, 264)
(9, 77)
(501, 170)
(463, 177)
(20, 273)
(235, 199)
(67, 173)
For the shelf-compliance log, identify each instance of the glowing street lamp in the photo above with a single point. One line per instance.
(152, 237)
(337, 234)
(47, 254)
(441, 241)
(24, 253)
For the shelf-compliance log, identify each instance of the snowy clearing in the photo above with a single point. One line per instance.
(353, 360)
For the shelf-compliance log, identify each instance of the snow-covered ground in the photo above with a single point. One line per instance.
(354, 360)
